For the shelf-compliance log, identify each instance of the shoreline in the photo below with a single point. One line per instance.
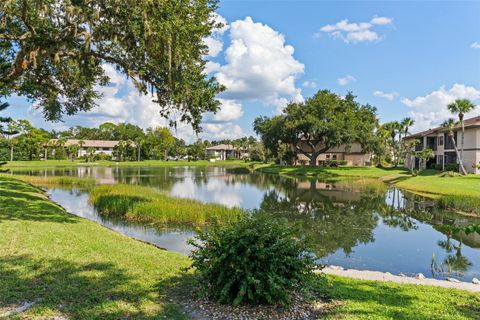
(388, 277)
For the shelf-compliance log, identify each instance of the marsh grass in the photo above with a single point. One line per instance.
(52, 181)
(466, 204)
(146, 204)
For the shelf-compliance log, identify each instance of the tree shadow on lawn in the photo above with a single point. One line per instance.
(80, 291)
(367, 299)
(17, 205)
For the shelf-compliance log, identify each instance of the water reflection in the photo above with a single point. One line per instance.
(360, 224)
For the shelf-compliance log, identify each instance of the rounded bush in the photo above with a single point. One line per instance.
(254, 261)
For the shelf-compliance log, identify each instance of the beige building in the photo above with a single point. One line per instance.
(226, 151)
(100, 146)
(354, 156)
(438, 140)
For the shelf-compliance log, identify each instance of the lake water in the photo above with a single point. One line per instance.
(355, 224)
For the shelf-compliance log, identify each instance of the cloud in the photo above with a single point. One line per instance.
(355, 32)
(219, 131)
(475, 45)
(309, 84)
(386, 95)
(346, 80)
(230, 110)
(259, 65)
(215, 42)
(431, 110)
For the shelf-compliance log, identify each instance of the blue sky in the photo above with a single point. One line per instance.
(406, 58)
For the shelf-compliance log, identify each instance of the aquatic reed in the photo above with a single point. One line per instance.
(146, 204)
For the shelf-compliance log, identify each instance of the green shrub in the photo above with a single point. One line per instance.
(451, 167)
(255, 261)
(332, 163)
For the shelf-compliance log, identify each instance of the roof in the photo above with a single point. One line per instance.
(224, 147)
(89, 143)
(472, 122)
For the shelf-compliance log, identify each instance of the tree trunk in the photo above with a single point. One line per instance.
(460, 160)
(463, 140)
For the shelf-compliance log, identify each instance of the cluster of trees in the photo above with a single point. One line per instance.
(394, 148)
(322, 122)
(20, 140)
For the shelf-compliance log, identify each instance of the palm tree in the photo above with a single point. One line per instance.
(405, 125)
(450, 126)
(461, 107)
(393, 128)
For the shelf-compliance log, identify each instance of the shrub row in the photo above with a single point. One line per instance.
(467, 204)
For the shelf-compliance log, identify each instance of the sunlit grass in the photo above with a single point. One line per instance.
(146, 204)
(55, 180)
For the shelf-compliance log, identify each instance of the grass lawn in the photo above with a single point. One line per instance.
(75, 268)
(359, 299)
(385, 174)
(429, 182)
(146, 163)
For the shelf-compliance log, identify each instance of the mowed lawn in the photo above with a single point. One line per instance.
(75, 268)
(385, 174)
(430, 182)
(146, 163)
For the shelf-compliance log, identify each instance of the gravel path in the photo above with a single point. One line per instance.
(385, 276)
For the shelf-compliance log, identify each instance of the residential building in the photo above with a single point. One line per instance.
(100, 146)
(354, 155)
(226, 151)
(441, 144)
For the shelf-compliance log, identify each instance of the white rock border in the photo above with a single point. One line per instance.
(387, 276)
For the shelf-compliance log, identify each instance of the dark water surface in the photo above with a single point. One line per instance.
(357, 224)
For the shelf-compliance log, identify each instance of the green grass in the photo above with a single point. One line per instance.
(465, 204)
(359, 299)
(146, 163)
(42, 181)
(431, 183)
(385, 174)
(146, 204)
(76, 268)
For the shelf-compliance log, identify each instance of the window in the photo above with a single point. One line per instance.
(328, 156)
(334, 157)
(440, 141)
(440, 160)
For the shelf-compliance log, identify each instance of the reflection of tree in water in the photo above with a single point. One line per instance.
(324, 218)
(454, 263)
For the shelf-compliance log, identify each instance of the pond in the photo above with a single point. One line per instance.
(359, 224)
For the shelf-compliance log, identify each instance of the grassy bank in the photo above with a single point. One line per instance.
(146, 163)
(55, 181)
(385, 174)
(146, 204)
(75, 268)
(431, 182)
(359, 299)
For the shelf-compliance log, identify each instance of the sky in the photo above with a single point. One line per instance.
(406, 58)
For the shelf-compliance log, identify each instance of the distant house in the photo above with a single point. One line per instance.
(354, 156)
(437, 139)
(226, 151)
(100, 146)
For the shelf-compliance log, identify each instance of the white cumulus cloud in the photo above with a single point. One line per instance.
(215, 42)
(346, 80)
(309, 84)
(351, 32)
(386, 95)
(475, 45)
(430, 110)
(259, 65)
(230, 110)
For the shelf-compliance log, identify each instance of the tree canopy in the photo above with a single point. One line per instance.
(54, 53)
(323, 122)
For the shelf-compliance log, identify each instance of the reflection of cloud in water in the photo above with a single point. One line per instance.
(214, 190)
(185, 189)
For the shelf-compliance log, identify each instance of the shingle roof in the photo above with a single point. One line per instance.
(475, 121)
